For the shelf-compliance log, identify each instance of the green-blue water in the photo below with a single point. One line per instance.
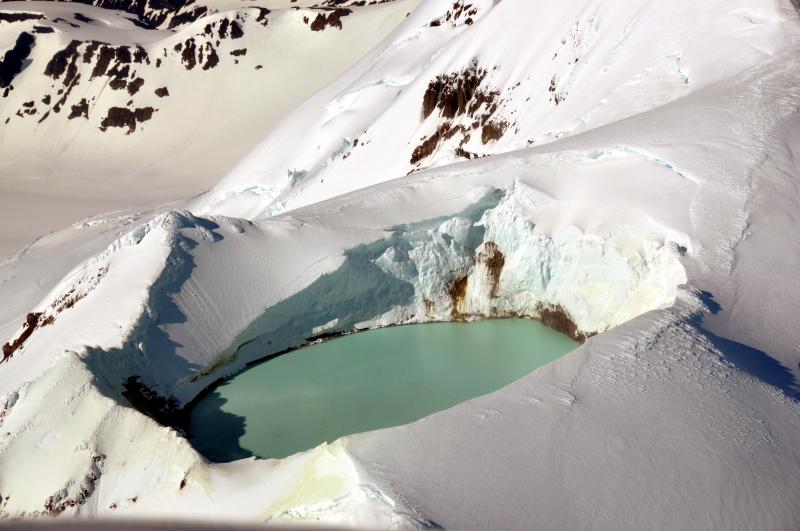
(366, 381)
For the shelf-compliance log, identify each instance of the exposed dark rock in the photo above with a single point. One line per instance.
(461, 152)
(333, 18)
(81, 109)
(457, 292)
(88, 52)
(223, 28)
(459, 10)
(31, 322)
(123, 54)
(154, 13)
(107, 53)
(141, 24)
(212, 60)
(165, 411)
(555, 96)
(187, 17)
(135, 85)
(82, 18)
(14, 59)
(425, 149)
(445, 131)
(63, 61)
(67, 300)
(140, 55)
(557, 319)
(188, 54)
(262, 16)
(43, 29)
(236, 30)
(119, 77)
(162, 92)
(493, 131)
(67, 22)
(460, 97)
(59, 502)
(122, 117)
(452, 93)
(65, 94)
(494, 261)
(19, 17)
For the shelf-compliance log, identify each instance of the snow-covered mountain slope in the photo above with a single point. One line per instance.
(437, 92)
(95, 88)
(624, 172)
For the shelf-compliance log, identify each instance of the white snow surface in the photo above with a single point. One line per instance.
(64, 169)
(645, 185)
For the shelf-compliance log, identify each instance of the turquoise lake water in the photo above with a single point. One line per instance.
(365, 381)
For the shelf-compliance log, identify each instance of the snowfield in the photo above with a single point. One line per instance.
(101, 89)
(627, 172)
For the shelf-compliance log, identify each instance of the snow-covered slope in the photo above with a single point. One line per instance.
(456, 82)
(621, 169)
(96, 88)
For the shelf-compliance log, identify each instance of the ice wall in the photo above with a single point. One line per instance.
(500, 265)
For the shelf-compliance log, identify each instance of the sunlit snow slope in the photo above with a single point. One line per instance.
(624, 171)
(96, 88)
